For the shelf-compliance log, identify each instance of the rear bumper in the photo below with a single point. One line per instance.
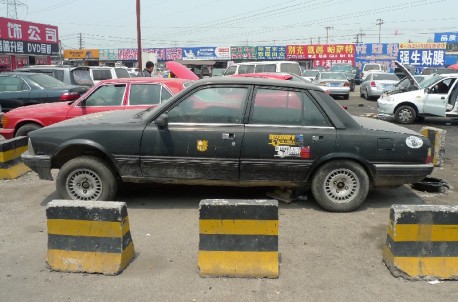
(396, 175)
(41, 164)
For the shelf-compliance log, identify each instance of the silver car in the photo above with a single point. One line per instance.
(376, 83)
(335, 82)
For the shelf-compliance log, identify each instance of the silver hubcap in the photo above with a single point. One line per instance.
(405, 115)
(341, 186)
(84, 184)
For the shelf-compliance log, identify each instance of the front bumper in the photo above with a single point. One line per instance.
(400, 174)
(7, 133)
(41, 164)
(385, 107)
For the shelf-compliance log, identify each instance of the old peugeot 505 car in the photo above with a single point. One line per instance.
(232, 131)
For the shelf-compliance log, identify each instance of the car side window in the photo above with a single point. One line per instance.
(165, 95)
(59, 75)
(101, 74)
(282, 107)
(443, 86)
(145, 94)
(211, 105)
(231, 70)
(107, 95)
(12, 84)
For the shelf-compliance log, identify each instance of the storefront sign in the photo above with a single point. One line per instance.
(381, 53)
(41, 60)
(127, 54)
(17, 30)
(322, 54)
(108, 54)
(447, 37)
(422, 54)
(160, 52)
(172, 54)
(81, 54)
(271, 52)
(243, 52)
(206, 53)
(21, 47)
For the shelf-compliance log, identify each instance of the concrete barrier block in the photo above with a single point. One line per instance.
(422, 242)
(238, 238)
(437, 138)
(88, 236)
(11, 165)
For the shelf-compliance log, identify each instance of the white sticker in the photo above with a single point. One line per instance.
(287, 151)
(414, 142)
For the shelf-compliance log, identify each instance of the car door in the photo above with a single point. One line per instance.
(436, 99)
(14, 92)
(104, 98)
(286, 134)
(203, 138)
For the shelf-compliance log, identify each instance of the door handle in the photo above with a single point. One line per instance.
(228, 135)
(443, 98)
(317, 138)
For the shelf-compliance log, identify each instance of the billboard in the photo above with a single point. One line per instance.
(422, 55)
(243, 53)
(322, 54)
(22, 37)
(81, 54)
(447, 37)
(108, 54)
(267, 53)
(206, 53)
(381, 53)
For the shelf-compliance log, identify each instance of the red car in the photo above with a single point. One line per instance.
(116, 94)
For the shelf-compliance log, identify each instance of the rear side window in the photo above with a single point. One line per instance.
(231, 70)
(107, 95)
(246, 69)
(101, 74)
(122, 73)
(59, 75)
(81, 77)
(266, 68)
(46, 81)
(145, 94)
(291, 68)
(12, 84)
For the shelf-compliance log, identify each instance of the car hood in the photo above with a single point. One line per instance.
(104, 117)
(40, 108)
(373, 124)
(181, 71)
(408, 75)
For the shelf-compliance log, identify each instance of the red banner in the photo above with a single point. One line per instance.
(16, 30)
(321, 52)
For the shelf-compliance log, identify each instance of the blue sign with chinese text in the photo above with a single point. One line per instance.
(447, 37)
(380, 53)
(422, 57)
(268, 53)
(199, 53)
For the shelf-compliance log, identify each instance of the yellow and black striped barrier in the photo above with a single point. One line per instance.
(437, 138)
(88, 236)
(422, 242)
(238, 238)
(11, 165)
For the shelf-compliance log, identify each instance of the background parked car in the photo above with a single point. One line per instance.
(349, 72)
(68, 74)
(117, 94)
(335, 82)
(376, 83)
(310, 74)
(264, 66)
(28, 88)
(405, 84)
(438, 70)
(372, 67)
(108, 73)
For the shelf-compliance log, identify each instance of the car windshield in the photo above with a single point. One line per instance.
(371, 67)
(343, 68)
(332, 76)
(385, 76)
(432, 80)
(122, 73)
(82, 77)
(310, 73)
(46, 81)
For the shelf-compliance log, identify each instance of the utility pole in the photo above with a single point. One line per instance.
(360, 36)
(139, 38)
(11, 8)
(327, 33)
(80, 40)
(379, 23)
(311, 41)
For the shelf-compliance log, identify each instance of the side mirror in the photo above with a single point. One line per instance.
(427, 90)
(162, 121)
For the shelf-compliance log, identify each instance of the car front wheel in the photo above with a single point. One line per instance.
(405, 115)
(86, 178)
(25, 129)
(340, 186)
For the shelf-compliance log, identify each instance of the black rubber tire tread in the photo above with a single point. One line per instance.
(25, 129)
(318, 185)
(98, 166)
(346, 97)
(409, 121)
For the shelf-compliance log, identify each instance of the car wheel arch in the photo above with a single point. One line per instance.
(25, 122)
(76, 148)
(368, 167)
(406, 104)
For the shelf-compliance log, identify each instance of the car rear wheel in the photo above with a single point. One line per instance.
(86, 178)
(405, 115)
(25, 129)
(340, 186)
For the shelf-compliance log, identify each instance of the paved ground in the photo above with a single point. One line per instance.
(324, 256)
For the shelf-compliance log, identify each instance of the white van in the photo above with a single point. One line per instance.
(372, 67)
(106, 73)
(264, 66)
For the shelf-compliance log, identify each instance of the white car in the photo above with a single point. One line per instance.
(107, 73)
(335, 82)
(435, 96)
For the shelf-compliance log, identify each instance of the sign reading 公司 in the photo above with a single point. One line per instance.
(22, 37)
(322, 54)
(422, 54)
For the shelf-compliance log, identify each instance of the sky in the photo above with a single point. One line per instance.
(178, 23)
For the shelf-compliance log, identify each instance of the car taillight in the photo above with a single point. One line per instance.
(373, 84)
(69, 96)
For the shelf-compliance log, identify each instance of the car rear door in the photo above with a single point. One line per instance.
(14, 92)
(203, 138)
(286, 134)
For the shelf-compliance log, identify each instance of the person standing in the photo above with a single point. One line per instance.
(147, 72)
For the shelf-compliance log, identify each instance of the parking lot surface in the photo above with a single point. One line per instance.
(323, 256)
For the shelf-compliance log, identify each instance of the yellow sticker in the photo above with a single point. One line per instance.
(202, 145)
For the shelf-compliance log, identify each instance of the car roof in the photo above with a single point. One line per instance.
(258, 81)
(266, 75)
(53, 67)
(144, 80)
(20, 73)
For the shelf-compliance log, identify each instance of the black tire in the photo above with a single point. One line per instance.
(405, 115)
(346, 97)
(86, 178)
(340, 186)
(25, 129)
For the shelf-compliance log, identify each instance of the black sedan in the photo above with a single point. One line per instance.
(28, 88)
(232, 131)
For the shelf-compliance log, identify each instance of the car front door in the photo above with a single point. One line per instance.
(286, 134)
(436, 99)
(14, 92)
(202, 140)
